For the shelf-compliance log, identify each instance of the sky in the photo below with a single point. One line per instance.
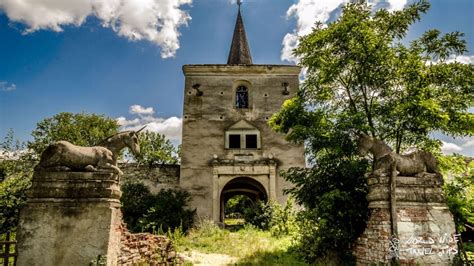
(124, 58)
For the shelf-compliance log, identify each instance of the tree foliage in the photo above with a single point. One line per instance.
(459, 189)
(156, 149)
(359, 66)
(362, 77)
(147, 212)
(81, 129)
(15, 179)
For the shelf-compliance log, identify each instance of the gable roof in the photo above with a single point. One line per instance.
(242, 125)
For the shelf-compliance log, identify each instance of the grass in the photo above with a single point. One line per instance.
(469, 247)
(249, 245)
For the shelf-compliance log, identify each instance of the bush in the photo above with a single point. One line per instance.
(334, 194)
(283, 220)
(167, 212)
(163, 212)
(12, 198)
(279, 220)
(236, 206)
(136, 200)
(259, 214)
(15, 179)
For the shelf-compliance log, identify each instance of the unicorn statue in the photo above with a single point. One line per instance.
(64, 154)
(411, 164)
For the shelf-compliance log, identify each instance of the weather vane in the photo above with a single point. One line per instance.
(239, 2)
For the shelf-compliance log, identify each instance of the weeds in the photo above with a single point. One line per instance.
(249, 244)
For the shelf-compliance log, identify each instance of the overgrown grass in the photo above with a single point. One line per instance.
(250, 245)
(469, 247)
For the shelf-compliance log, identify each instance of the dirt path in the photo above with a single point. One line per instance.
(199, 258)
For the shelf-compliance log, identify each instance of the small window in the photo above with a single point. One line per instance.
(251, 141)
(242, 97)
(234, 141)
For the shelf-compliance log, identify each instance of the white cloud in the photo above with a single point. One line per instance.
(170, 127)
(469, 144)
(156, 21)
(140, 110)
(463, 59)
(308, 12)
(13, 155)
(5, 86)
(464, 145)
(449, 148)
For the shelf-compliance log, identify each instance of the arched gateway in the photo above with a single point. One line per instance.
(242, 186)
(227, 145)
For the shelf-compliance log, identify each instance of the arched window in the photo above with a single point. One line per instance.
(242, 97)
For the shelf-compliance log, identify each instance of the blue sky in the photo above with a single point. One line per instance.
(55, 57)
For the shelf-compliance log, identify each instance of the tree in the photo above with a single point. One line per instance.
(361, 77)
(358, 66)
(156, 149)
(81, 129)
(16, 164)
(15, 179)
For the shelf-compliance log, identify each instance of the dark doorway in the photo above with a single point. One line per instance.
(244, 187)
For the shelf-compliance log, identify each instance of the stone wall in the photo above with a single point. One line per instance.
(424, 231)
(155, 178)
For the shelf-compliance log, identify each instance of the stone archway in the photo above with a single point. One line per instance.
(241, 186)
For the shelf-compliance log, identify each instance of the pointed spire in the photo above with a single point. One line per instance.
(239, 50)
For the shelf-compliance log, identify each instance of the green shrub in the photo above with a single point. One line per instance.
(168, 211)
(163, 212)
(12, 198)
(279, 220)
(283, 220)
(235, 206)
(336, 208)
(136, 200)
(259, 214)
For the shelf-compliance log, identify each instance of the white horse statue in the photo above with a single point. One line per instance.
(64, 154)
(410, 164)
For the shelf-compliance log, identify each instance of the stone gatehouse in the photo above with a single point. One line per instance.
(227, 146)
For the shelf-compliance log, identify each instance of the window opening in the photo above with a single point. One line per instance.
(242, 97)
(234, 141)
(251, 141)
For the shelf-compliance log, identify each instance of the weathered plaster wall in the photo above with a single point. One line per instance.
(207, 117)
(424, 231)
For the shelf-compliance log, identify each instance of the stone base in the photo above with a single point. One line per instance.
(425, 231)
(426, 234)
(62, 225)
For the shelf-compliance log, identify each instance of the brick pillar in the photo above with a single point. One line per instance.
(70, 218)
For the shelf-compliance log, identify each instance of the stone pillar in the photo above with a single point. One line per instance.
(425, 231)
(70, 218)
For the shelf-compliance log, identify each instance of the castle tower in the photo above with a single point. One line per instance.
(227, 147)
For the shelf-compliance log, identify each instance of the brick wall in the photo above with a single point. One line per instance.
(147, 249)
